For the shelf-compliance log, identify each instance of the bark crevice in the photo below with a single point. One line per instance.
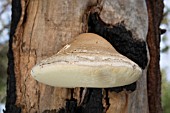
(11, 107)
(155, 13)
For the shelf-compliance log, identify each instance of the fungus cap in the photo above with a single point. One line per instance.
(88, 61)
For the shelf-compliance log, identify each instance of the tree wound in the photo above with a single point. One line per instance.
(120, 38)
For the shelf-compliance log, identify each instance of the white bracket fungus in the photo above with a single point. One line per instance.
(88, 61)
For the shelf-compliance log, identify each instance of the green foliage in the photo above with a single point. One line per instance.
(5, 18)
(165, 93)
(165, 22)
(3, 71)
(165, 49)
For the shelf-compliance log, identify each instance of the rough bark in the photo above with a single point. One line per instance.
(155, 12)
(11, 80)
(42, 29)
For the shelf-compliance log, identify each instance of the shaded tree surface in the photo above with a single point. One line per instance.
(40, 28)
(155, 12)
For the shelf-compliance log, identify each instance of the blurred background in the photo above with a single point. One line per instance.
(5, 18)
(165, 58)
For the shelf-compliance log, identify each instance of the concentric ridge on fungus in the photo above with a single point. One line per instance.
(88, 61)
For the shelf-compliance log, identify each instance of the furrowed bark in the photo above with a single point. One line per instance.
(155, 12)
(43, 27)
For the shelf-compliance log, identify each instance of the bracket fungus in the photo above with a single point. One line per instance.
(88, 61)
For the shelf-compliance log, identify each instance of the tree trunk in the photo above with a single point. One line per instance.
(43, 27)
(155, 12)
